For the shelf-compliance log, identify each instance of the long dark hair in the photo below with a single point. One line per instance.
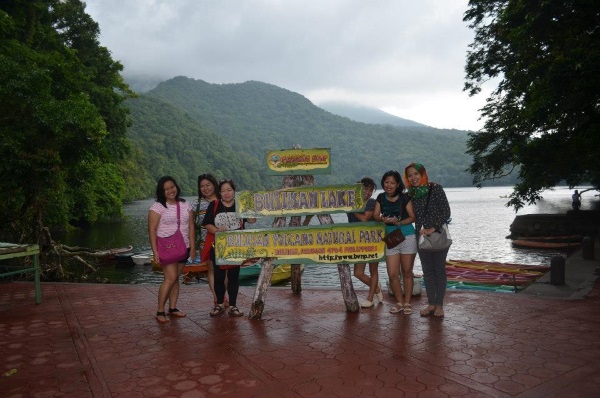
(211, 178)
(396, 175)
(160, 190)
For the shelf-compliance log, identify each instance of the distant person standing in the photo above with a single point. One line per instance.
(576, 197)
(372, 280)
(224, 218)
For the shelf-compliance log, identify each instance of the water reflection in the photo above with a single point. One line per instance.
(480, 223)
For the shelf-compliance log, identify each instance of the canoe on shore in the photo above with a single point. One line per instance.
(493, 273)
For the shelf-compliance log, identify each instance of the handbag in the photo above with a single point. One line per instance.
(172, 249)
(209, 241)
(394, 238)
(438, 240)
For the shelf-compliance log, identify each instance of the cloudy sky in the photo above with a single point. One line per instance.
(405, 57)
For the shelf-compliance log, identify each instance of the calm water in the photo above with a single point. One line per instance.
(480, 224)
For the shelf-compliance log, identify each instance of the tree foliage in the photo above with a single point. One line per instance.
(542, 120)
(62, 123)
(230, 127)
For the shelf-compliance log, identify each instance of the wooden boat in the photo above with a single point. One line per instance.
(250, 271)
(558, 238)
(282, 273)
(493, 273)
(110, 256)
(142, 258)
(533, 244)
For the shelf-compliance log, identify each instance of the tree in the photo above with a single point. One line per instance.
(62, 123)
(542, 120)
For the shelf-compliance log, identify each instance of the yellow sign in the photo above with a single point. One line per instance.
(325, 244)
(299, 161)
(301, 201)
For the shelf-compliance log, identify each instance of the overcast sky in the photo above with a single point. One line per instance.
(405, 57)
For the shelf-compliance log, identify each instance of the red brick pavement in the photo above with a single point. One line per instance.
(103, 341)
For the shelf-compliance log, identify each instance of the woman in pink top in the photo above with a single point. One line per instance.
(162, 222)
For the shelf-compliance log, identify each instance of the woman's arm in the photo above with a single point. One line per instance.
(439, 208)
(153, 220)
(411, 214)
(377, 212)
(192, 234)
(365, 216)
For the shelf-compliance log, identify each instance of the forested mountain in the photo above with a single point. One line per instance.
(366, 115)
(185, 127)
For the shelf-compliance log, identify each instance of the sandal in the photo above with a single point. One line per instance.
(367, 304)
(161, 317)
(235, 311)
(217, 310)
(427, 311)
(176, 313)
(380, 294)
(399, 307)
(407, 309)
(438, 313)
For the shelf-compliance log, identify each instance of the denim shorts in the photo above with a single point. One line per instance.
(409, 246)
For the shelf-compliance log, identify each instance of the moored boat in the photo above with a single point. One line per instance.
(142, 258)
(282, 273)
(493, 273)
(534, 244)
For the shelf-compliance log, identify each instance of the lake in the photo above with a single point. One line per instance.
(479, 226)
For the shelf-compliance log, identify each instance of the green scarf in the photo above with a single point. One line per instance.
(418, 192)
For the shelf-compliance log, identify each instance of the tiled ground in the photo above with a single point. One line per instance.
(103, 341)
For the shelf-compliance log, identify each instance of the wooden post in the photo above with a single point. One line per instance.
(348, 292)
(260, 294)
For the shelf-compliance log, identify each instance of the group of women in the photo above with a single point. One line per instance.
(416, 206)
(213, 211)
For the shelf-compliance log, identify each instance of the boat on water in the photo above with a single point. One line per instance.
(120, 254)
(142, 258)
(546, 245)
(557, 238)
(283, 273)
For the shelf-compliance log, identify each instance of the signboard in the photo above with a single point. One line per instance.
(325, 244)
(301, 201)
(299, 161)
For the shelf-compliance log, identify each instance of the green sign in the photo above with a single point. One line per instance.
(301, 201)
(325, 244)
(299, 161)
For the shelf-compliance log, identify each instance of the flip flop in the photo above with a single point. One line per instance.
(161, 317)
(176, 313)
(438, 313)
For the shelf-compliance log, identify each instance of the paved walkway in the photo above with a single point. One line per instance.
(102, 341)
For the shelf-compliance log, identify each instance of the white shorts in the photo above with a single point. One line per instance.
(409, 246)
